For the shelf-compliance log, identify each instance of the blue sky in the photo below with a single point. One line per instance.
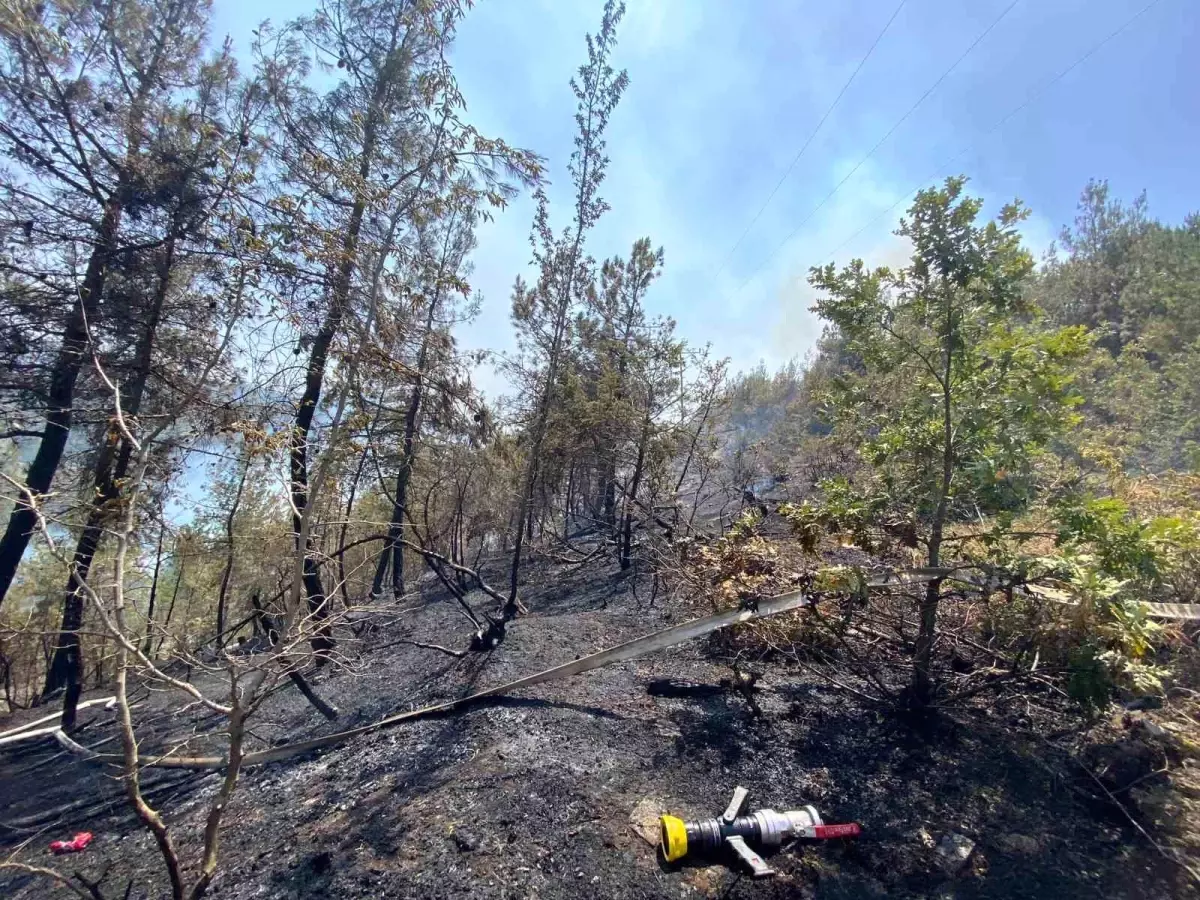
(723, 94)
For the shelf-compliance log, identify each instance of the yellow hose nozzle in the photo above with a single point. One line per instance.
(674, 838)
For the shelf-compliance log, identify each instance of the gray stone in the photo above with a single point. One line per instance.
(953, 852)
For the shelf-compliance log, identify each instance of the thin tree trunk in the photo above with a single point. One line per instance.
(393, 548)
(129, 745)
(237, 732)
(174, 597)
(532, 468)
(112, 466)
(567, 503)
(341, 545)
(635, 483)
(687, 462)
(609, 476)
(921, 688)
(227, 571)
(153, 590)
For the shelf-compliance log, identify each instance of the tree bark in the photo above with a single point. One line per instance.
(921, 687)
(635, 483)
(524, 528)
(358, 470)
(322, 641)
(61, 396)
(112, 466)
(174, 596)
(76, 334)
(227, 571)
(153, 590)
(393, 548)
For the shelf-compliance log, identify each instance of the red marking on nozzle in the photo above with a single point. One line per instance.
(822, 832)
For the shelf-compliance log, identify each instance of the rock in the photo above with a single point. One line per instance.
(953, 852)
(708, 881)
(1155, 730)
(465, 841)
(1021, 844)
(1150, 701)
(926, 838)
(644, 820)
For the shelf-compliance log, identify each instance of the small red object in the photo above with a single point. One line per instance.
(79, 842)
(853, 829)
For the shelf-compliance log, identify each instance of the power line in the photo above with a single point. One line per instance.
(1034, 95)
(796, 158)
(904, 118)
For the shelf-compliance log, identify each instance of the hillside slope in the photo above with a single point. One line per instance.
(533, 796)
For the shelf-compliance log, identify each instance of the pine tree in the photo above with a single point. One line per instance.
(381, 144)
(542, 313)
(80, 126)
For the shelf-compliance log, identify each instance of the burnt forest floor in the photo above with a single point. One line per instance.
(540, 796)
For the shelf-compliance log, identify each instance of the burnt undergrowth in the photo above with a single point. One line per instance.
(532, 795)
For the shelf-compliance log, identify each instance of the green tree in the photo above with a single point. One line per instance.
(958, 396)
(84, 90)
(1136, 282)
(543, 312)
(379, 146)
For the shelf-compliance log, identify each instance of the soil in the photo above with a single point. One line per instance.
(541, 795)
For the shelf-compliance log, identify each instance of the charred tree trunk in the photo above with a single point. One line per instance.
(570, 497)
(362, 463)
(153, 590)
(393, 548)
(61, 396)
(227, 571)
(609, 479)
(112, 466)
(322, 641)
(635, 483)
(264, 623)
(174, 597)
(76, 338)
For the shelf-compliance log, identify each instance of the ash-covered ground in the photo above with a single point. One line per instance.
(541, 795)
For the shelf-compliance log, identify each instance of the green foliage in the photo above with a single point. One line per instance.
(961, 392)
(1121, 544)
(1113, 560)
(842, 510)
(997, 408)
(744, 527)
(1112, 636)
(1135, 283)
